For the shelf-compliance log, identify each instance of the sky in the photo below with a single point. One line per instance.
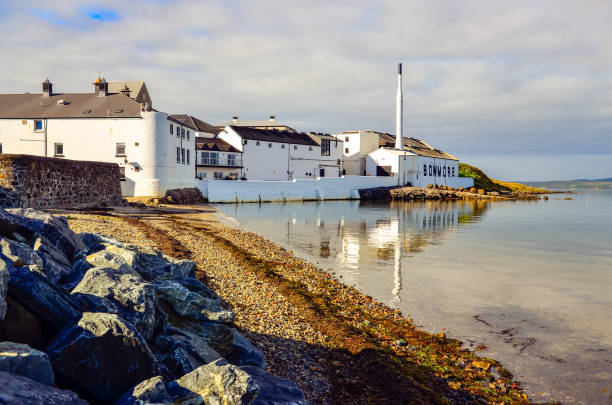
(522, 89)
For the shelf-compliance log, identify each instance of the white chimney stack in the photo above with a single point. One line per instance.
(399, 112)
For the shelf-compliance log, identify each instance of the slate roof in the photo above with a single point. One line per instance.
(258, 124)
(274, 135)
(214, 144)
(196, 123)
(414, 145)
(28, 106)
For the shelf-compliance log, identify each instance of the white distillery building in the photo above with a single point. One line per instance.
(270, 154)
(217, 160)
(154, 152)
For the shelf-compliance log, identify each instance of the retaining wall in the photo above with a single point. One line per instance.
(321, 188)
(40, 182)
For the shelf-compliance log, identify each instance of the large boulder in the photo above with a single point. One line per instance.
(4, 276)
(213, 383)
(16, 358)
(188, 304)
(23, 255)
(274, 390)
(180, 352)
(17, 389)
(244, 353)
(54, 228)
(125, 294)
(47, 301)
(20, 325)
(10, 227)
(101, 356)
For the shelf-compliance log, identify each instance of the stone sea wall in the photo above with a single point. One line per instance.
(85, 318)
(37, 182)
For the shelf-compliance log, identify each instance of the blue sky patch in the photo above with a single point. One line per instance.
(102, 14)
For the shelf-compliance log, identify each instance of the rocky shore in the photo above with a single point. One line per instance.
(88, 318)
(441, 193)
(339, 346)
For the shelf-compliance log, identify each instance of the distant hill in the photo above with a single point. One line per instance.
(599, 184)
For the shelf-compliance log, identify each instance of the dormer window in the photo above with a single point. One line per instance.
(119, 111)
(86, 111)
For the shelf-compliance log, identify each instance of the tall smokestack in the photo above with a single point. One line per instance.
(399, 112)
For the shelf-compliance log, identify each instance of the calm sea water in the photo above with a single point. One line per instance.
(531, 281)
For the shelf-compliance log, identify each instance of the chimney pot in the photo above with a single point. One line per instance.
(102, 88)
(235, 119)
(272, 118)
(47, 88)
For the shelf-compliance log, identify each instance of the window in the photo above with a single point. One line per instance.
(119, 111)
(183, 155)
(233, 176)
(218, 175)
(283, 146)
(86, 111)
(210, 158)
(269, 145)
(321, 172)
(231, 159)
(120, 149)
(178, 155)
(171, 129)
(336, 143)
(310, 148)
(325, 149)
(122, 173)
(202, 175)
(346, 150)
(58, 149)
(346, 139)
(294, 147)
(182, 133)
(188, 156)
(178, 132)
(244, 141)
(187, 134)
(257, 143)
(0, 148)
(38, 125)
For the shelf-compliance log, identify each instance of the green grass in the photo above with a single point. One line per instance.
(480, 179)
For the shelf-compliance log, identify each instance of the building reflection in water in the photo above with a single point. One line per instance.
(361, 241)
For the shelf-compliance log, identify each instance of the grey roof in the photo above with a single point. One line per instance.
(196, 123)
(413, 145)
(214, 144)
(28, 106)
(274, 135)
(317, 136)
(268, 124)
(138, 90)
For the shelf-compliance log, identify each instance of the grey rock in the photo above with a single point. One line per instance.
(244, 353)
(76, 274)
(151, 391)
(102, 355)
(91, 239)
(191, 305)
(198, 287)
(214, 383)
(177, 363)
(54, 228)
(17, 358)
(23, 255)
(110, 258)
(4, 276)
(11, 228)
(48, 302)
(125, 294)
(17, 389)
(274, 390)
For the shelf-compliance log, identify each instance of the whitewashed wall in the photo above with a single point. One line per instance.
(150, 150)
(274, 161)
(359, 144)
(324, 188)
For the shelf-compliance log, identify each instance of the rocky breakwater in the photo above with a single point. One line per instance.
(441, 193)
(85, 318)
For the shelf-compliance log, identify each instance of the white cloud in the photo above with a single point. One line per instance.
(481, 77)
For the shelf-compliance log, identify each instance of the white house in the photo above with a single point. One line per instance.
(357, 145)
(418, 164)
(271, 123)
(217, 159)
(270, 154)
(154, 152)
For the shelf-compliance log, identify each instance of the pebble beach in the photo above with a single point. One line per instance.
(337, 344)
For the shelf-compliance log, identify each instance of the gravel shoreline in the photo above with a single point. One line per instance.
(337, 344)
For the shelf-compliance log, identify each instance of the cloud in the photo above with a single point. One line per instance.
(480, 78)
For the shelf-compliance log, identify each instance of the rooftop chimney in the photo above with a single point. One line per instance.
(125, 90)
(102, 87)
(235, 119)
(272, 118)
(399, 112)
(47, 88)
